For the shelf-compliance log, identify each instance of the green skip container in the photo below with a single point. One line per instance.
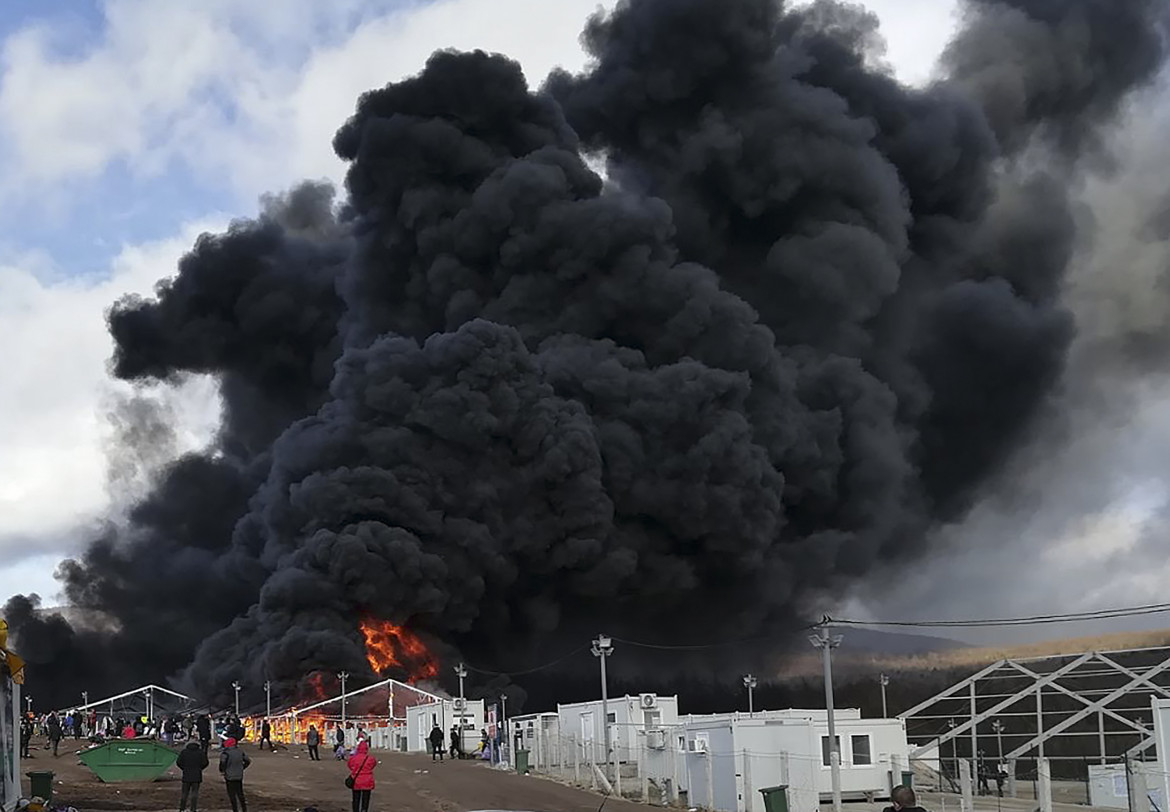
(129, 760)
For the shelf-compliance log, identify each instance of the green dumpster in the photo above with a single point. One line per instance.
(129, 760)
(775, 798)
(908, 779)
(40, 784)
(522, 762)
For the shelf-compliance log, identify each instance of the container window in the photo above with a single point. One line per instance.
(862, 751)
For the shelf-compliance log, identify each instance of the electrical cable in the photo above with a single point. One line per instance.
(1029, 620)
(550, 664)
(722, 644)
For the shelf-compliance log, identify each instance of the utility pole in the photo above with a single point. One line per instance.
(236, 685)
(85, 700)
(461, 672)
(826, 643)
(602, 648)
(997, 726)
(28, 700)
(750, 683)
(954, 747)
(267, 699)
(343, 676)
(149, 704)
(884, 680)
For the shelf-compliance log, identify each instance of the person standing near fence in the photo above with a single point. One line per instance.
(903, 799)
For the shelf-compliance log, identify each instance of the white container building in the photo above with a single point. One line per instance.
(446, 713)
(630, 717)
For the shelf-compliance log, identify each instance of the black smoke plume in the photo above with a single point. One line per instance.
(503, 400)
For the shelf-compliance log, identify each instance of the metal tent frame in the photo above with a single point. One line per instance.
(1058, 701)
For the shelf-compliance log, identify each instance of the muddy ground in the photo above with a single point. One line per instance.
(288, 780)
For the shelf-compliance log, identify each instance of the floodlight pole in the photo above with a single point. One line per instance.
(602, 648)
(85, 700)
(149, 704)
(343, 676)
(236, 686)
(884, 680)
(997, 726)
(28, 699)
(750, 682)
(826, 643)
(461, 672)
(267, 699)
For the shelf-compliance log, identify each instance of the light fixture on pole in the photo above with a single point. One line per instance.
(750, 682)
(954, 746)
(826, 643)
(85, 699)
(28, 700)
(343, 676)
(997, 726)
(236, 686)
(461, 672)
(884, 680)
(149, 694)
(603, 648)
(267, 699)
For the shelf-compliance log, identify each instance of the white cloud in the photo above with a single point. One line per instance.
(52, 427)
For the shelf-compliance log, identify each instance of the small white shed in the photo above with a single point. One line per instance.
(722, 762)
(539, 734)
(630, 717)
(421, 719)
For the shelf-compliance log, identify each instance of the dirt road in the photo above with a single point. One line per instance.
(288, 780)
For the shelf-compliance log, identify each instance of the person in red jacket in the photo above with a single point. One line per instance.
(361, 769)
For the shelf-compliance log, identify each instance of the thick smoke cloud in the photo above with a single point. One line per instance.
(805, 318)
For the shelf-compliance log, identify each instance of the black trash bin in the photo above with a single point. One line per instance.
(775, 798)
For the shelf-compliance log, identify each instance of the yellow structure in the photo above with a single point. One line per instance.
(11, 678)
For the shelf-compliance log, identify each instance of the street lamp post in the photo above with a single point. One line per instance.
(750, 682)
(267, 699)
(461, 672)
(343, 676)
(954, 748)
(149, 704)
(603, 648)
(997, 726)
(826, 643)
(884, 680)
(28, 700)
(236, 685)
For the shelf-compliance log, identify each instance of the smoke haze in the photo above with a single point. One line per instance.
(809, 316)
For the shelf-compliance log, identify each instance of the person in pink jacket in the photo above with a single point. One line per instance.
(361, 769)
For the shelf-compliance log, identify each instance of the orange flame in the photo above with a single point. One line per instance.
(394, 647)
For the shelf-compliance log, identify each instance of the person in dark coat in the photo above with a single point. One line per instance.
(902, 799)
(203, 728)
(192, 761)
(339, 746)
(232, 763)
(26, 731)
(266, 736)
(55, 733)
(436, 739)
(314, 740)
(456, 743)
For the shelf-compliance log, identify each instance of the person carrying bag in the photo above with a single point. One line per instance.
(361, 776)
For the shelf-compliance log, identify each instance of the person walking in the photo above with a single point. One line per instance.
(266, 736)
(456, 744)
(232, 763)
(436, 739)
(339, 738)
(203, 728)
(313, 740)
(361, 773)
(55, 733)
(26, 732)
(192, 761)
